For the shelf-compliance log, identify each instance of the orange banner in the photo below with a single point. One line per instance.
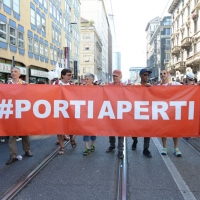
(157, 111)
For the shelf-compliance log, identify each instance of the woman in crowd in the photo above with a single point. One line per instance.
(89, 79)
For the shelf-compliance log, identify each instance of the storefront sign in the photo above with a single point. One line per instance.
(6, 68)
(39, 73)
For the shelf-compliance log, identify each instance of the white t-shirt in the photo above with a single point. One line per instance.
(60, 83)
(171, 83)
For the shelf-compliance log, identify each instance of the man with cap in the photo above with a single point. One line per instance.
(117, 75)
(190, 79)
(144, 75)
(164, 76)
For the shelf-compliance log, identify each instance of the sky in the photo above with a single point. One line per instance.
(130, 20)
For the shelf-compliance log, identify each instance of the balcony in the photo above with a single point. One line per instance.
(176, 50)
(171, 70)
(186, 42)
(196, 58)
(180, 66)
(189, 61)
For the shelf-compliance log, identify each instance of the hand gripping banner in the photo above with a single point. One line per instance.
(157, 111)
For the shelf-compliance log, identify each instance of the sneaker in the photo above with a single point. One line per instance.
(147, 153)
(2, 140)
(109, 149)
(18, 139)
(134, 145)
(120, 155)
(177, 152)
(164, 151)
(86, 152)
(92, 148)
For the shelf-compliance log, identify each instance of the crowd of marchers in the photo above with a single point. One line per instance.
(89, 141)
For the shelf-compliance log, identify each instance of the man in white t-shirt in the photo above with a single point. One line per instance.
(164, 76)
(66, 75)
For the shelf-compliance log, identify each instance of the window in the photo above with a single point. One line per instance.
(41, 49)
(56, 35)
(55, 55)
(50, 7)
(20, 40)
(167, 31)
(12, 36)
(86, 47)
(41, 1)
(36, 50)
(30, 44)
(59, 58)
(58, 15)
(16, 6)
(43, 25)
(3, 31)
(59, 37)
(46, 51)
(38, 21)
(53, 33)
(45, 4)
(61, 18)
(86, 58)
(51, 54)
(32, 16)
(54, 11)
(195, 26)
(7, 3)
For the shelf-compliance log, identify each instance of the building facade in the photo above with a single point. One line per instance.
(158, 45)
(90, 50)
(117, 63)
(34, 32)
(95, 11)
(185, 38)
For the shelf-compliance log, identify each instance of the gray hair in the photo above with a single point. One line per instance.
(91, 76)
(15, 68)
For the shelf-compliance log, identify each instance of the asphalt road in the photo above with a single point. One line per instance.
(73, 176)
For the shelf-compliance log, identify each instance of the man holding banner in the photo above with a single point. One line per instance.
(164, 75)
(15, 74)
(117, 75)
(144, 75)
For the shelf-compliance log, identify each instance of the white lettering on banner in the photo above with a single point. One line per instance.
(121, 109)
(103, 112)
(58, 108)
(138, 110)
(106, 110)
(178, 105)
(47, 109)
(22, 106)
(78, 105)
(191, 110)
(6, 68)
(162, 110)
(90, 109)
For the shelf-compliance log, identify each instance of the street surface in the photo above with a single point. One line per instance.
(73, 176)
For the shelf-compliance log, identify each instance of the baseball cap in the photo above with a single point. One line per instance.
(145, 70)
(190, 75)
(117, 72)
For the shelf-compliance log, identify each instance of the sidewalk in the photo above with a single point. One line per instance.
(195, 142)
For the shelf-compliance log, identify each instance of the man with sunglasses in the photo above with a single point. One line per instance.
(144, 75)
(117, 75)
(164, 76)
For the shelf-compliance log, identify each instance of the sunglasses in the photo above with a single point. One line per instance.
(115, 76)
(145, 74)
(190, 79)
(69, 74)
(162, 73)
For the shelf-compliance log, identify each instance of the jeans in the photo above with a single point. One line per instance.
(120, 143)
(88, 138)
(146, 141)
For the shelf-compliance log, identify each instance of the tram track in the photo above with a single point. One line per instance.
(121, 191)
(23, 183)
